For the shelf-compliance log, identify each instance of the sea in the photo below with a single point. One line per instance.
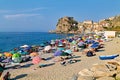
(10, 40)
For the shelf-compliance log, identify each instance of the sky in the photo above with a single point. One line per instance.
(43, 15)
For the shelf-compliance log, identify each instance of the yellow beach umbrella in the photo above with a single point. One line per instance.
(1, 54)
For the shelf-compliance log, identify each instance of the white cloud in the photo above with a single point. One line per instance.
(31, 10)
(20, 11)
(5, 11)
(14, 16)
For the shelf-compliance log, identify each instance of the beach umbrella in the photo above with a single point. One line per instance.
(33, 54)
(27, 48)
(16, 58)
(68, 51)
(96, 43)
(94, 46)
(60, 45)
(36, 60)
(52, 42)
(70, 40)
(13, 52)
(24, 46)
(58, 53)
(7, 54)
(16, 55)
(24, 53)
(74, 42)
(1, 54)
(61, 48)
(42, 45)
(8, 60)
(47, 48)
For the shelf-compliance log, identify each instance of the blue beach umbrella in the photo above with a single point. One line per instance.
(27, 48)
(96, 43)
(94, 46)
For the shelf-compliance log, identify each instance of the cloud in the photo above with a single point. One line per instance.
(5, 11)
(14, 16)
(32, 10)
(21, 11)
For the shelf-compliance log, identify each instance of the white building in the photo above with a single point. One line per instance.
(110, 34)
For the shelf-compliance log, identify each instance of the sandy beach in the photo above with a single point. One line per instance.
(60, 72)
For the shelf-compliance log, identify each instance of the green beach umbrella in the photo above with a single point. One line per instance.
(16, 55)
(16, 58)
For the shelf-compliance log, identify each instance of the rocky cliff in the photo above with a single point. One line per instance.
(70, 25)
(66, 25)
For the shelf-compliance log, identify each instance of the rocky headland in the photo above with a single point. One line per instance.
(70, 25)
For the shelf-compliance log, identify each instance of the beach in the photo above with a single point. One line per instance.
(60, 72)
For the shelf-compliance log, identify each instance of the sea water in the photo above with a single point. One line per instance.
(10, 40)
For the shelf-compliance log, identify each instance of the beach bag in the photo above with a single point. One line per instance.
(89, 53)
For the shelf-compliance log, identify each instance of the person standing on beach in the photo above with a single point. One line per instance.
(2, 67)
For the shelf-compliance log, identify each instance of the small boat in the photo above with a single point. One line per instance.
(105, 57)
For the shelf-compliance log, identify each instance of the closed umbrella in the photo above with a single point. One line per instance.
(36, 60)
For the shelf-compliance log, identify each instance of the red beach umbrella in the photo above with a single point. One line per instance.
(36, 60)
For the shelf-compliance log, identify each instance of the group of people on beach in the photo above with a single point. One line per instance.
(62, 47)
